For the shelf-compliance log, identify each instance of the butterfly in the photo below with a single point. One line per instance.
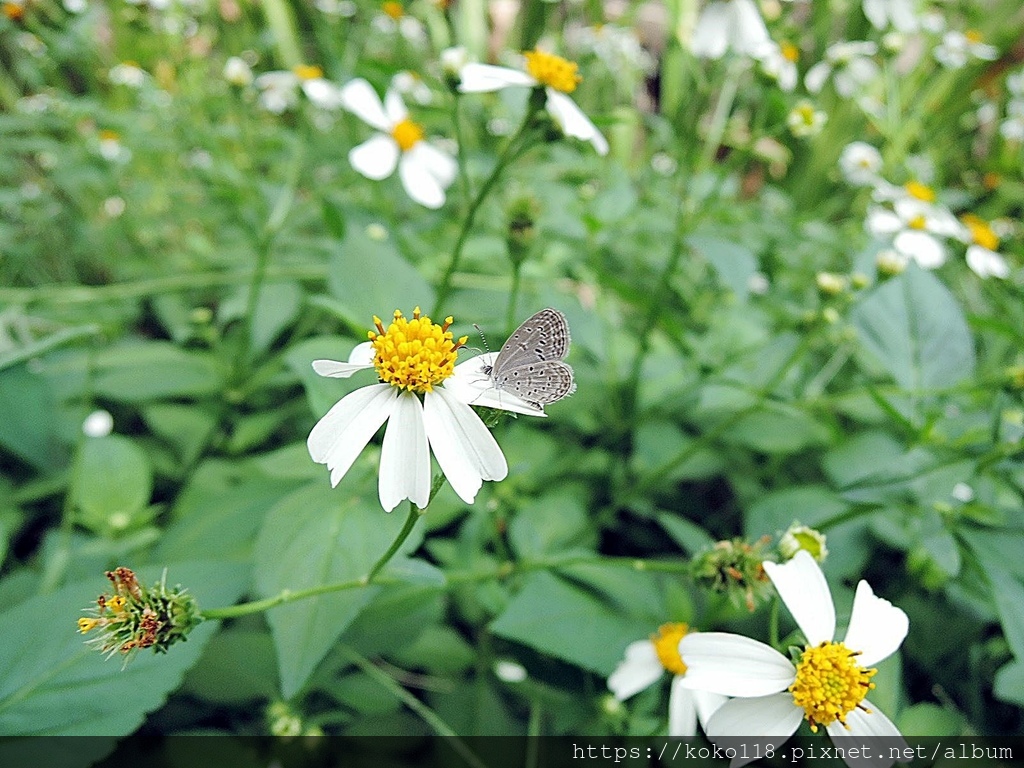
(530, 365)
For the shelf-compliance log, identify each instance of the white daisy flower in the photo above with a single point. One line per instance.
(128, 73)
(957, 48)
(556, 75)
(237, 71)
(982, 256)
(849, 64)
(1012, 126)
(410, 84)
(729, 25)
(827, 686)
(805, 121)
(644, 664)
(426, 171)
(279, 90)
(900, 14)
(860, 164)
(916, 223)
(426, 410)
(778, 61)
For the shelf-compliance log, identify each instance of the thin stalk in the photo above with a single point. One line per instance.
(464, 183)
(513, 296)
(515, 147)
(410, 523)
(773, 623)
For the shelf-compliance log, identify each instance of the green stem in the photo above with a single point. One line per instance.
(515, 147)
(853, 513)
(773, 623)
(410, 523)
(467, 190)
(429, 716)
(513, 296)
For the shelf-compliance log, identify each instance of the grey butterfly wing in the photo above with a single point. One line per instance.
(544, 336)
(540, 383)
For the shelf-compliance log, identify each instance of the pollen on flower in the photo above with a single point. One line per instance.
(830, 683)
(666, 645)
(393, 9)
(407, 134)
(790, 52)
(981, 232)
(414, 354)
(553, 71)
(307, 71)
(920, 191)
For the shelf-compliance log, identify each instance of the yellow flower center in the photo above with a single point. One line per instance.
(920, 191)
(806, 113)
(666, 645)
(790, 52)
(830, 684)
(981, 232)
(393, 9)
(414, 354)
(553, 71)
(108, 135)
(84, 625)
(307, 71)
(14, 11)
(918, 222)
(407, 134)
(974, 36)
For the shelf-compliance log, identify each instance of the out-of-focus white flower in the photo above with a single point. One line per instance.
(962, 492)
(805, 121)
(778, 61)
(453, 59)
(342, 8)
(279, 90)
(1012, 126)
(112, 149)
(933, 21)
(127, 73)
(982, 243)
(901, 14)
(75, 6)
(509, 671)
(916, 223)
(393, 18)
(559, 77)
(729, 25)
(98, 424)
(1015, 83)
(849, 64)
(426, 172)
(238, 72)
(860, 164)
(411, 85)
(957, 48)
(617, 47)
(646, 661)
(114, 206)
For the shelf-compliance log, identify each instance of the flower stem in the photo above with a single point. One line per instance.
(410, 523)
(515, 147)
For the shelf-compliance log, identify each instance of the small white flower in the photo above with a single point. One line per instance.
(916, 227)
(957, 48)
(425, 408)
(426, 172)
(729, 25)
(805, 121)
(509, 671)
(646, 661)
(901, 14)
(127, 73)
(962, 492)
(411, 85)
(98, 424)
(1015, 83)
(453, 60)
(556, 75)
(114, 206)
(279, 90)
(860, 164)
(849, 64)
(982, 241)
(237, 71)
(1012, 126)
(826, 686)
(779, 63)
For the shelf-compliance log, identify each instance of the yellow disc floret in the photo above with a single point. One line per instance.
(553, 71)
(84, 625)
(414, 354)
(407, 134)
(790, 52)
(830, 684)
(920, 191)
(918, 222)
(116, 603)
(307, 71)
(393, 9)
(666, 645)
(981, 232)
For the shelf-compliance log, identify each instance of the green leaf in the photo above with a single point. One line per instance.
(1008, 594)
(277, 306)
(315, 536)
(369, 277)
(52, 684)
(186, 427)
(734, 263)
(557, 619)
(777, 428)
(237, 666)
(915, 327)
(27, 418)
(112, 484)
(135, 372)
(553, 523)
(930, 719)
(688, 535)
(1009, 683)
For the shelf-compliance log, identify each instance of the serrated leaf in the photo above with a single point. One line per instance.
(51, 683)
(915, 327)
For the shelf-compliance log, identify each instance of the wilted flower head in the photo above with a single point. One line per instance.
(135, 617)
(734, 568)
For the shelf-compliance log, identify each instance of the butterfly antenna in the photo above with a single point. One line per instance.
(482, 337)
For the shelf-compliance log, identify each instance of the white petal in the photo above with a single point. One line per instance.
(817, 75)
(921, 247)
(376, 157)
(802, 587)
(479, 78)
(903, 17)
(880, 221)
(464, 448)
(749, 32)
(405, 457)
(711, 35)
(640, 669)
(707, 704)
(862, 731)
(359, 98)
(877, 627)
(986, 263)
(573, 122)
(682, 710)
(774, 715)
(875, 10)
(419, 182)
(359, 359)
(441, 165)
(340, 436)
(733, 665)
(394, 107)
(474, 387)
(323, 93)
(862, 723)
